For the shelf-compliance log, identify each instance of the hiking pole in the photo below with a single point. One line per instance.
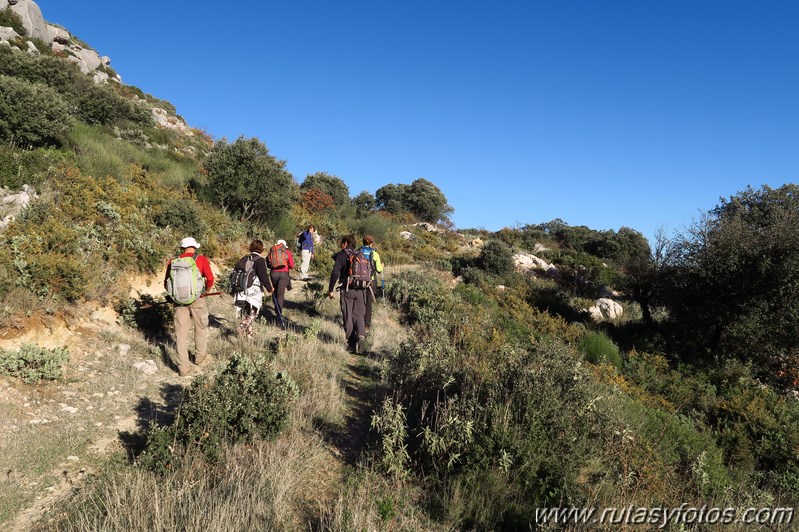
(278, 311)
(151, 305)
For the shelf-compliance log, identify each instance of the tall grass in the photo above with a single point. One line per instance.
(101, 154)
(598, 348)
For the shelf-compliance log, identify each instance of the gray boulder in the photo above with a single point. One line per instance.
(7, 34)
(13, 203)
(605, 309)
(91, 59)
(59, 35)
(32, 20)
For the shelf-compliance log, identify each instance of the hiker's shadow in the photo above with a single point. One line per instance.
(151, 414)
(354, 436)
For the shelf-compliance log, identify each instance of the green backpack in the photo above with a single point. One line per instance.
(185, 284)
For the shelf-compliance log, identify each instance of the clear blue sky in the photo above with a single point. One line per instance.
(600, 112)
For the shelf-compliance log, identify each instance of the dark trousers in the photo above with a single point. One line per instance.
(280, 280)
(369, 299)
(353, 310)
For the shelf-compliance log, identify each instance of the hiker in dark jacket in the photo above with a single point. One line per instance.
(249, 302)
(353, 301)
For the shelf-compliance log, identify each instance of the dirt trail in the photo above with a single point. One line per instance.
(53, 436)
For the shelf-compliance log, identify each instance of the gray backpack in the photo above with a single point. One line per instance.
(185, 283)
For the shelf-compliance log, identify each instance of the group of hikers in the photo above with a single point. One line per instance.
(189, 279)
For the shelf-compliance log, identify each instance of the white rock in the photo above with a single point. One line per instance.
(430, 228)
(476, 243)
(100, 77)
(32, 20)
(538, 248)
(7, 34)
(73, 458)
(90, 58)
(606, 309)
(122, 349)
(58, 34)
(406, 235)
(148, 367)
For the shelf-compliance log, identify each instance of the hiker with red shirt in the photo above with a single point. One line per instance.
(195, 313)
(280, 261)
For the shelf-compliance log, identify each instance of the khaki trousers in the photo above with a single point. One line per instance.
(185, 316)
(305, 265)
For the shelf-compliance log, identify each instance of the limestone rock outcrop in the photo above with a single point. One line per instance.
(605, 309)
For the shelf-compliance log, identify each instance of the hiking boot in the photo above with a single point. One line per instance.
(362, 347)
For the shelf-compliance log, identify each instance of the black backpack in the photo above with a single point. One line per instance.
(243, 275)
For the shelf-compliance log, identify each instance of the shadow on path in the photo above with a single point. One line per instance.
(361, 383)
(152, 414)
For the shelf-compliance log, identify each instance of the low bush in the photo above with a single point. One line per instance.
(32, 363)
(421, 298)
(31, 114)
(9, 19)
(598, 348)
(246, 400)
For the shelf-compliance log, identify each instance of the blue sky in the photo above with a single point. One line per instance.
(601, 113)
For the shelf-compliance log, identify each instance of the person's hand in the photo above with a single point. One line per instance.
(330, 295)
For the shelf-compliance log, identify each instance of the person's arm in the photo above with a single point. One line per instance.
(291, 259)
(205, 270)
(336, 273)
(263, 275)
(378, 262)
(168, 270)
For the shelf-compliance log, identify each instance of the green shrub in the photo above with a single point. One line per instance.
(32, 363)
(9, 19)
(598, 348)
(183, 216)
(31, 114)
(30, 167)
(496, 257)
(243, 402)
(420, 298)
(102, 105)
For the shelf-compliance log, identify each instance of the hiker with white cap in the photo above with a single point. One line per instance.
(280, 261)
(188, 277)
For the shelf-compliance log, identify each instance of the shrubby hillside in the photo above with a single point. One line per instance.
(539, 366)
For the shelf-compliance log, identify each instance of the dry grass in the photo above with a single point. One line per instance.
(301, 480)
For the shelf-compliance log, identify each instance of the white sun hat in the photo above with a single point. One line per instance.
(189, 242)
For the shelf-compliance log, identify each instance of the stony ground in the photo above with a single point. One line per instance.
(54, 435)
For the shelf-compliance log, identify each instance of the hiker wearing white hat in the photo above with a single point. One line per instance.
(188, 277)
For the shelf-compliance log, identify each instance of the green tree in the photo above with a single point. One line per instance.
(364, 204)
(427, 202)
(731, 283)
(421, 198)
(31, 114)
(247, 180)
(391, 198)
(331, 185)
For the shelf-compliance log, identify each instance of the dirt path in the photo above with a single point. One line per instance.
(53, 436)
